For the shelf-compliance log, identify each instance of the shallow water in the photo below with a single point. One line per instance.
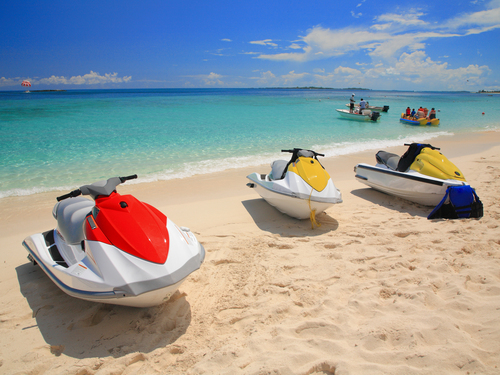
(61, 140)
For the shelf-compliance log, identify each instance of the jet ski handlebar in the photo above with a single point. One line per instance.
(98, 188)
(296, 150)
(430, 146)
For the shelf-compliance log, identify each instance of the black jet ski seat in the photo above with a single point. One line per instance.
(70, 214)
(388, 158)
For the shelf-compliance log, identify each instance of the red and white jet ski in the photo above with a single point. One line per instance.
(115, 250)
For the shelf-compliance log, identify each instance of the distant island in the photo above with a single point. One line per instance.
(489, 92)
(44, 90)
(315, 88)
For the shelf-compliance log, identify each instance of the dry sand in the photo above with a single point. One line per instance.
(377, 289)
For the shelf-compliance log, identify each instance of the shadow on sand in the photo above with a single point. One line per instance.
(392, 202)
(269, 219)
(83, 329)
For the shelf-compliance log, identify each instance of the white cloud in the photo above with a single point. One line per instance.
(421, 70)
(266, 79)
(265, 42)
(91, 78)
(418, 67)
(212, 79)
(411, 17)
(9, 82)
(226, 40)
(478, 21)
(387, 37)
(291, 78)
(415, 69)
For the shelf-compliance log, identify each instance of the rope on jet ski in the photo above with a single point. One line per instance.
(312, 216)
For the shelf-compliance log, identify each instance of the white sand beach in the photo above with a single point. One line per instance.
(377, 289)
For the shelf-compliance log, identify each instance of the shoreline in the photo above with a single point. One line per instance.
(232, 182)
(376, 289)
(343, 149)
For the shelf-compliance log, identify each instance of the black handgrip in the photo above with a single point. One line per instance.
(434, 148)
(291, 151)
(74, 193)
(131, 177)
(319, 154)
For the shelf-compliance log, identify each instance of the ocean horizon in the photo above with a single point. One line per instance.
(60, 140)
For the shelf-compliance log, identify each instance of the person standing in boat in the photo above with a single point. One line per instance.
(408, 112)
(362, 106)
(351, 104)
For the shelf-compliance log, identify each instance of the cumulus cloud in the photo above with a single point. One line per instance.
(212, 79)
(390, 34)
(419, 68)
(266, 79)
(92, 78)
(290, 79)
(9, 81)
(265, 42)
(415, 67)
(410, 18)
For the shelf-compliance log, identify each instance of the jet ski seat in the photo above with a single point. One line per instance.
(278, 169)
(70, 214)
(388, 158)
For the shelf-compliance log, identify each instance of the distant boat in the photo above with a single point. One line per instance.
(385, 108)
(424, 121)
(367, 115)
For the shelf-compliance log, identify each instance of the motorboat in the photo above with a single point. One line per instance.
(422, 175)
(114, 249)
(299, 187)
(364, 115)
(384, 108)
(424, 121)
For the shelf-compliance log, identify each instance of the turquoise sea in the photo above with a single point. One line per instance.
(61, 140)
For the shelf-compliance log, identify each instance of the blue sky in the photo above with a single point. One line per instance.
(400, 45)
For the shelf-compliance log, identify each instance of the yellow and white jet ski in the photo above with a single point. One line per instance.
(421, 175)
(300, 188)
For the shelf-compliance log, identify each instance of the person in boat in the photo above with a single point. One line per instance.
(432, 114)
(420, 113)
(351, 104)
(408, 112)
(412, 114)
(362, 106)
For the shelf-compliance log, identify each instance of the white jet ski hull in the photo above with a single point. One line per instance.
(410, 185)
(102, 273)
(366, 116)
(299, 201)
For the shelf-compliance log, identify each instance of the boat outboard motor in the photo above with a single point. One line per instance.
(375, 115)
(386, 108)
